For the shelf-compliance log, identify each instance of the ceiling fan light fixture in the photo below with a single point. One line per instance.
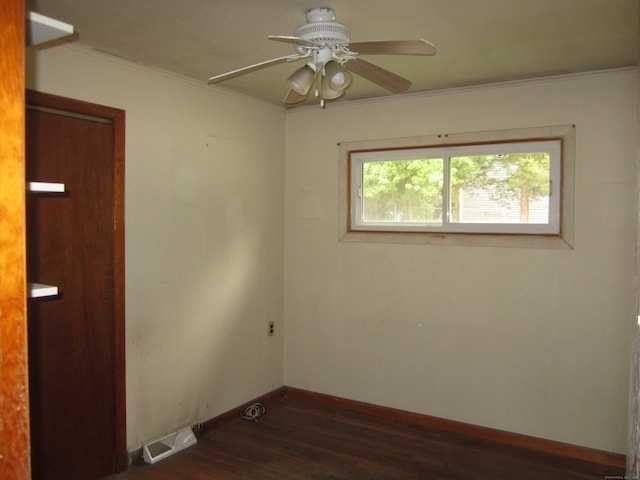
(336, 76)
(328, 93)
(302, 79)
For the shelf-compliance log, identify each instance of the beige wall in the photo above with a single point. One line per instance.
(533, 341)
(527, 340)
(204, 236)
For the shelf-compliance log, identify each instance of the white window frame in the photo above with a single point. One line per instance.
(357, 200)
(558, 233)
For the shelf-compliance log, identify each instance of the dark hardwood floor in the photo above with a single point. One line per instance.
(298, 439)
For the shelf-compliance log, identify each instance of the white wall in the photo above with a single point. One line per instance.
(532, 341)
(204, 236)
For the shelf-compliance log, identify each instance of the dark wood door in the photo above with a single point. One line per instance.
(73, 350)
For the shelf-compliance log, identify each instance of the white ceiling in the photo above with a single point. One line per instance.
(477, 41)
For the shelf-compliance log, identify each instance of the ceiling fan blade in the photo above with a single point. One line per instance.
(294, 97)
(394, 47)
(294, 40)
(386, 79)
(252, 68)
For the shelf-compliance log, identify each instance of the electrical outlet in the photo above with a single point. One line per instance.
(271, 329)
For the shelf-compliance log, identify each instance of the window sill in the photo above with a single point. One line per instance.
(459, 239)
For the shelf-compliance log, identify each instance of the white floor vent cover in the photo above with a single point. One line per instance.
(155, 451)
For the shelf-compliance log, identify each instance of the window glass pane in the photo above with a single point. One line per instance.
(402, 191)
(511, 188)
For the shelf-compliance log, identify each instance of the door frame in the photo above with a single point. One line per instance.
(14, 394)
(117, 119)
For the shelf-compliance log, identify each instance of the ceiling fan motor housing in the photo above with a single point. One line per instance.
(321, 28)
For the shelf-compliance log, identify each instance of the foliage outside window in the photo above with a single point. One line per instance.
(495, 187)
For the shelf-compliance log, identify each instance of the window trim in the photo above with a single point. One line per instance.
(563, 239)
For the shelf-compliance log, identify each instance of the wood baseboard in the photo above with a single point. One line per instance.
(135, 456)
(484, 433)
(238, 412)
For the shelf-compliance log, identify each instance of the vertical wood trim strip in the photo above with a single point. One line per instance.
(14, 395)
(121, 458)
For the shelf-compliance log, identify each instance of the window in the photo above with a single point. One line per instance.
(505, 188)
(497, 185)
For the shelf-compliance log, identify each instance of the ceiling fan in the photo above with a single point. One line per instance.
(331, 58)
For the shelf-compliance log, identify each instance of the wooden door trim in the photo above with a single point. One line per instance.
(14, 399)
(117, 118)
